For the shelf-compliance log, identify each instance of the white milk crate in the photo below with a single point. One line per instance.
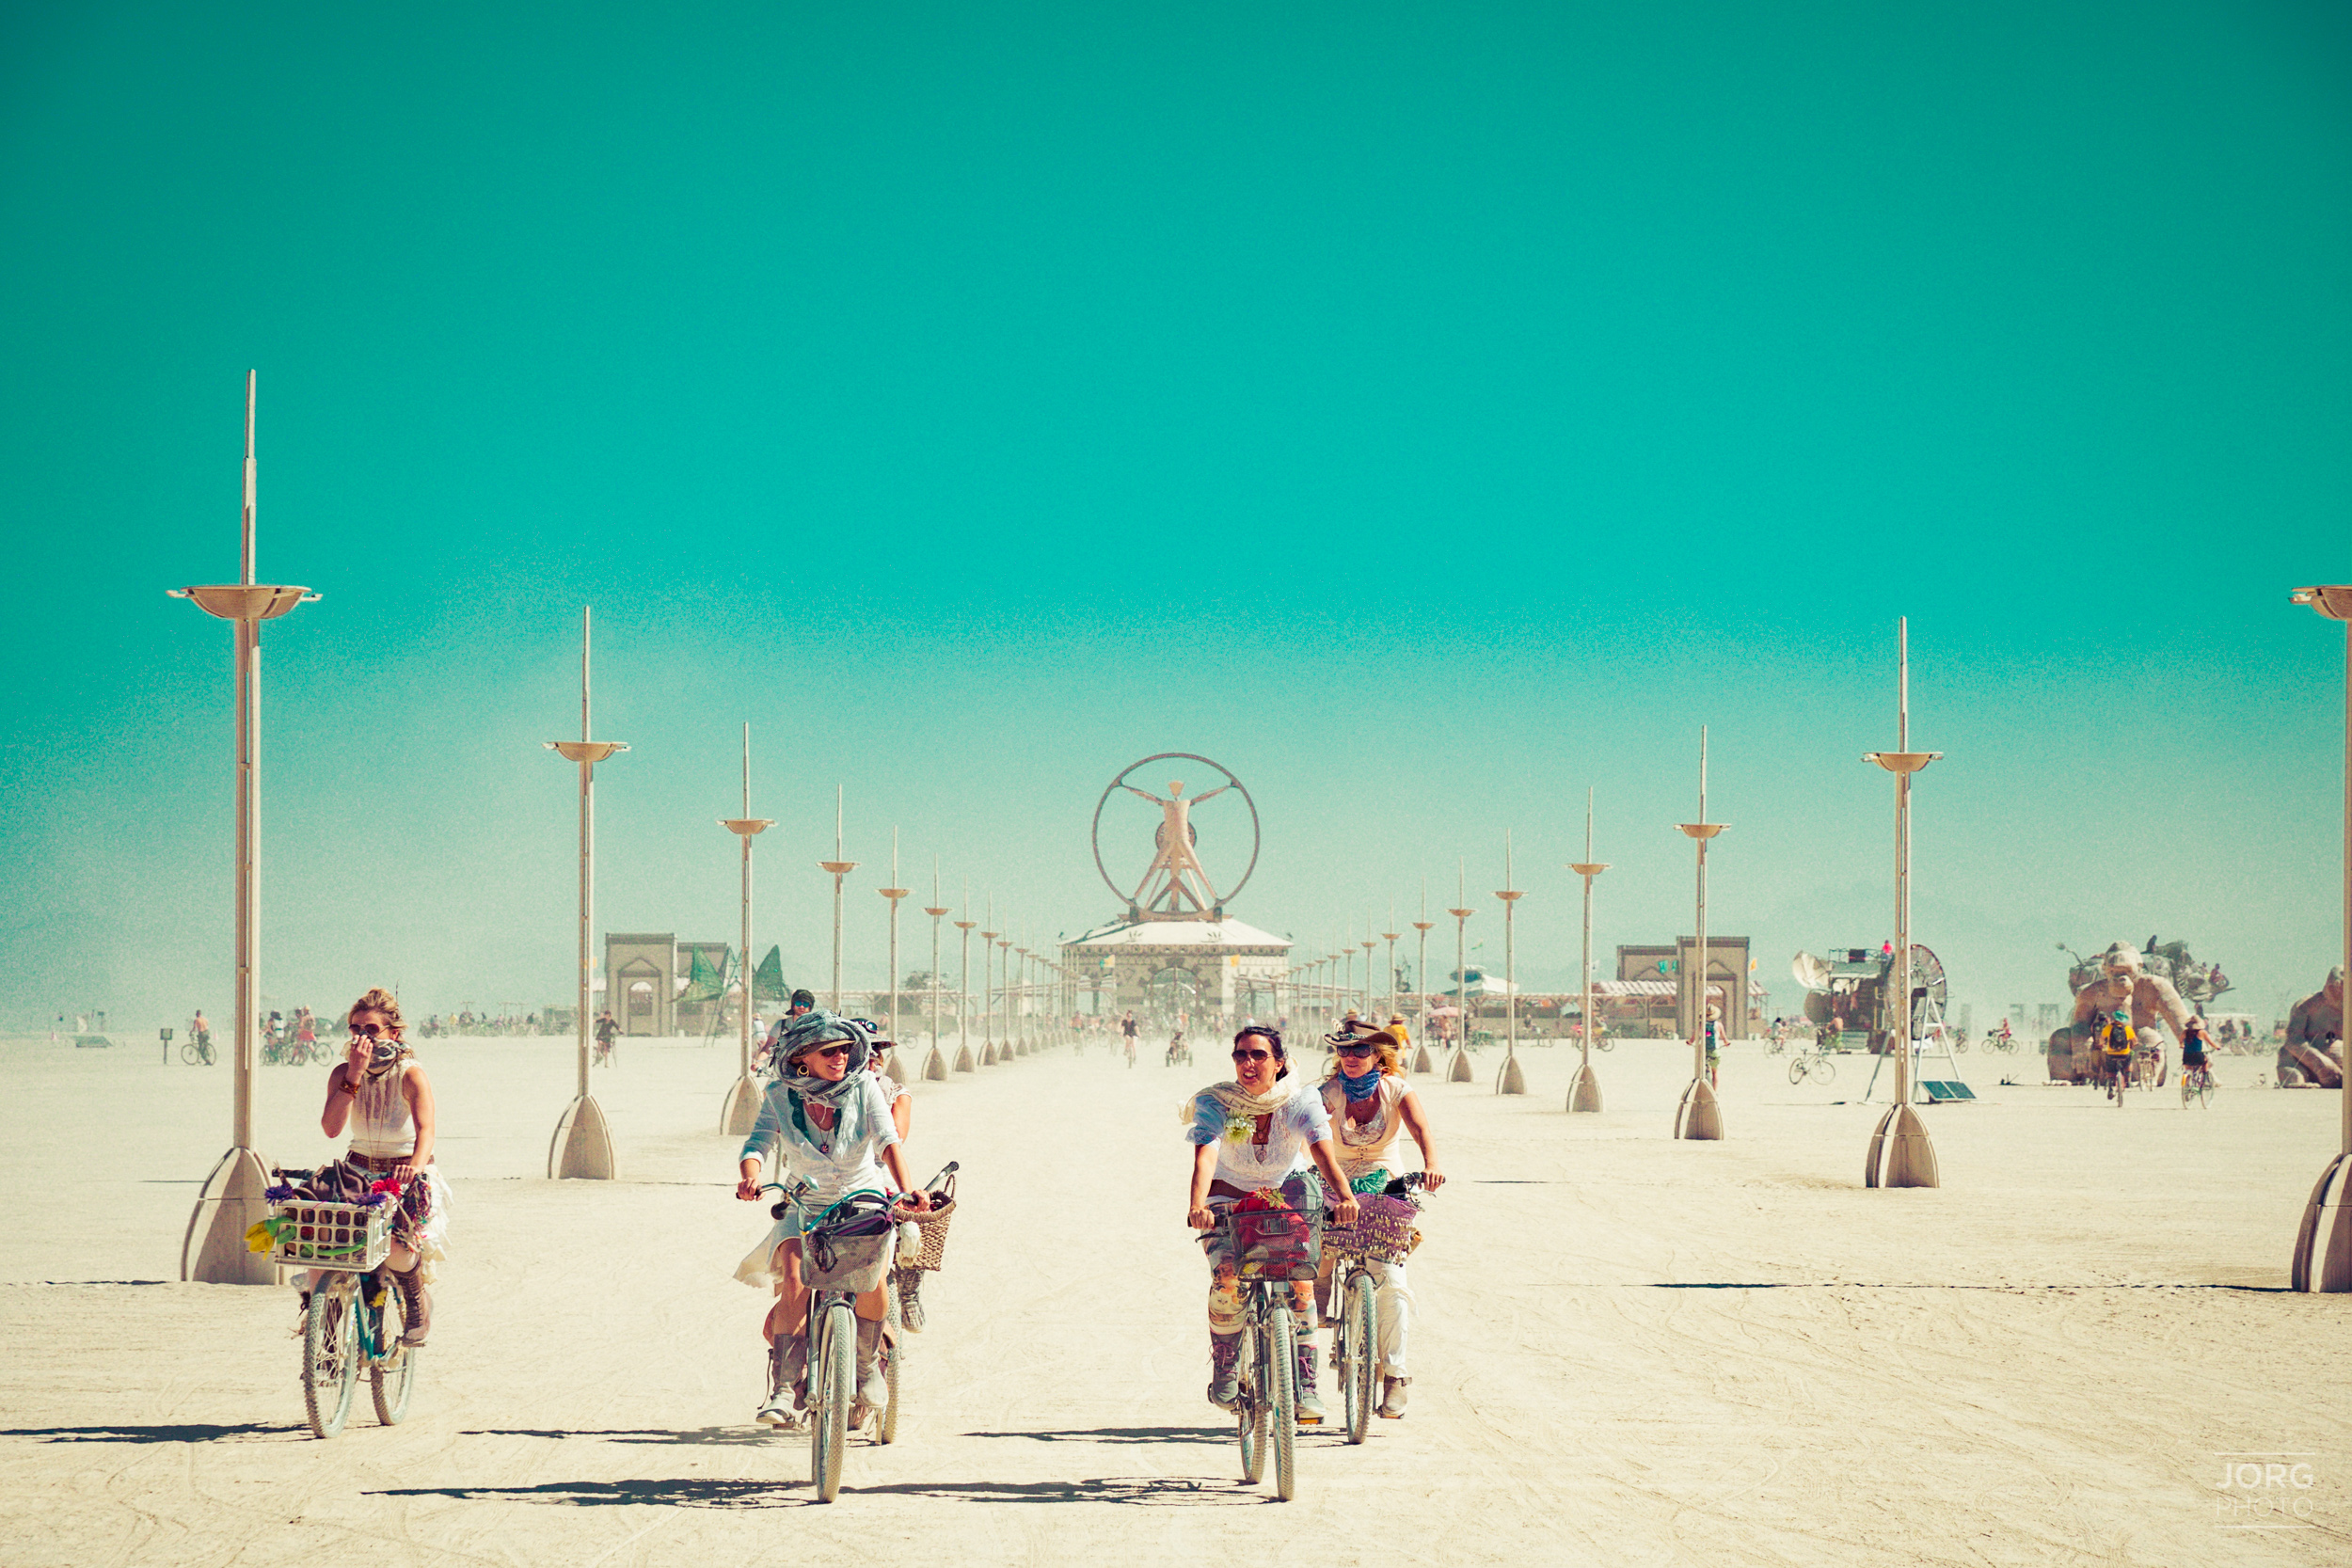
(344, 1236)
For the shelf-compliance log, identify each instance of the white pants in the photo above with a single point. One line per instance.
(1392, 1298)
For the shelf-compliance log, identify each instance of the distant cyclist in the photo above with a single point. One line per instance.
(2116, 1042)
(2193, 1044)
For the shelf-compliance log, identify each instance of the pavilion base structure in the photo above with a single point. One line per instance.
(581, 1150)
(2322, 1246)
(1423, 1066)
(741, 1108)
(1460, 1071)
(964, 1059)
(1511, 1080)
(1699, 1115)
(1585, 1091)
(935, 1070)
(1900, 1154)
(213, 1251)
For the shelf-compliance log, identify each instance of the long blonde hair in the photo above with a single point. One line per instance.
(1384, 1051)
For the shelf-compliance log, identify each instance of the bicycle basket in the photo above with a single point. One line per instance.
(1273, 1243)
(347, 1237)
(932, 1226)
(849, 1249)
(1383, 1230)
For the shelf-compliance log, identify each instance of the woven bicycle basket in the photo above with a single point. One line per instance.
(932, 1226)
(350, 1238)
(1383, 1230)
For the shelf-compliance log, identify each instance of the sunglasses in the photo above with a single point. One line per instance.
(1353, 1049)
(1253, 1055)
(367, 1031)
(830, 1052)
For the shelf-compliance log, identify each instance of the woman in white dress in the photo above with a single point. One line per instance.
(1368, 1101)
(825, 1118)
(1251, 1135)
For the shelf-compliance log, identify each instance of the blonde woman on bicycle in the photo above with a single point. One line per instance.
(1368, 1101)
(826, 1119)
(1251, 1135)
(383, 1096)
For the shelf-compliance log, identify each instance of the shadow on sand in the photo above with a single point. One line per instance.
(188, 1434)
(1139, 1491)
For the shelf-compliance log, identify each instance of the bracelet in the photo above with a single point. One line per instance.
(349, 1087)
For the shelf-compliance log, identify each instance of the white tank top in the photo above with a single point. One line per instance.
(1363, 1146)
(380, 1123)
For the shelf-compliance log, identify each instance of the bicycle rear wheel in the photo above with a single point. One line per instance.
(1825, 1071)
(886, 1429)
(1796, 1070)
(1252, 1413)
(330, 1360)
(833, 1373)
(1282, 1406)
(1360, 1354)
(390, 1382)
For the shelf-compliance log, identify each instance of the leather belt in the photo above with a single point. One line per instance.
(378, 1162)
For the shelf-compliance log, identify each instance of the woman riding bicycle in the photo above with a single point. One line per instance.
(1251, 1136)
(1366, 1097)
(382, 1094)
(825, 1120)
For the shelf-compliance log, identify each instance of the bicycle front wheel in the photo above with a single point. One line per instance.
(833, 1373)
(1359, 1356)
(330, 1361)
(893, 1351)
(1825, 1071)
(1281, 1356)
(1252, 1412)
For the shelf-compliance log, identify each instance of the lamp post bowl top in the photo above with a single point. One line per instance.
(1901, 762)
(2334, 600)
(1423, 925)
(244, 601)
(1371, 942)
(1392, 936)
(987, 936)
(894, 893)
(1702, 829)
(1461, 915)
(747, 826)
(585, 750)
(965, 925)
(1588, 868)
(1510, 895)
(935, 913)
(840, 868)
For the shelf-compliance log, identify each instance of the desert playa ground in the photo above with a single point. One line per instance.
(1630, 1351)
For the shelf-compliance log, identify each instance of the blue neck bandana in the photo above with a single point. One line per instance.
(1359, 1090)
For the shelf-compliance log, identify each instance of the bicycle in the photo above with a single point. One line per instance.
(840, 1261)
(604, 1052)
(2198, 1083)
(355, 1319)
(2119, 1074)
(1811, 1063)
(198, 1051)
(1270, 1247)
(1385, 1233)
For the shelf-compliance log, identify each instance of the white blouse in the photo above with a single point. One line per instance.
(843, 1159)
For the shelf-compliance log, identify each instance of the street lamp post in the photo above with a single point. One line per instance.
(1460, 1072)
(1421, 1050)
(741, 1109)
(213, 1251)
(582, 1147)
(1004, 991)
(1699, 1115)
(1900, 1154)
(1395, 998)
(1585, 1094)
(988, 990)
(1512, 1081)
(894, 893)
(2322, 1244)
(963, 988)
(840, 868)
(935, 1069)
(1017, 999)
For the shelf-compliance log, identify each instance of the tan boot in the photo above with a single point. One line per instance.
(1392, 1398)
(416, 1307)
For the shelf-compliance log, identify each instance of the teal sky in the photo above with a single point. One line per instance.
(1427, 410)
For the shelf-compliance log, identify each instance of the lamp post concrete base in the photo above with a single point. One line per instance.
(935, 1070)
(1699, 1115)
(1460, 1072)
(582, 1149)
(2323, 1248)
(1511, 1081)
(964, 1059)
(1900, 1154)
(213, 1251)
(741, 1109)
(1423, 1066)
(988, 1054)
(1584, 1090)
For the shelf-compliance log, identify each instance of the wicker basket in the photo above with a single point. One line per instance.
(932, 1226)
(1383, 1230)
(350, 1238)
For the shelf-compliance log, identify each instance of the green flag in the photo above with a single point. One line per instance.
(767, 979)
(703, 981)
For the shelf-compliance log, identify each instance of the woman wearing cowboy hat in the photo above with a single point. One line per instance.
(823, 1119)
(1369, 1102)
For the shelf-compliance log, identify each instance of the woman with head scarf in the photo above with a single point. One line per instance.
(824, 1120)
(381, 1092)
(1252, 1134)
(1369, 1102)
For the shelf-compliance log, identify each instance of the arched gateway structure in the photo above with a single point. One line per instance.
(1176, 949)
